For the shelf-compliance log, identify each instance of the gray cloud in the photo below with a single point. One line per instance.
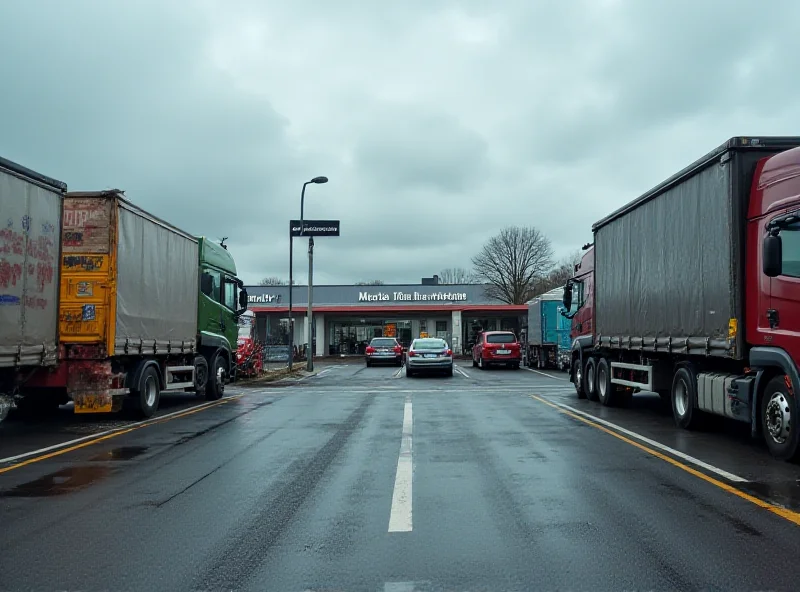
(437, 122)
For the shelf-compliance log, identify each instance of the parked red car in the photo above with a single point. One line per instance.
(496, 348)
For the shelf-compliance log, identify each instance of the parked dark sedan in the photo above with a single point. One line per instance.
(383, 350)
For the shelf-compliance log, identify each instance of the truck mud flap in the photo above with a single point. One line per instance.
(108, 401)
(93, 386)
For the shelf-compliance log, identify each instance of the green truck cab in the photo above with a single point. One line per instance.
(221, 302)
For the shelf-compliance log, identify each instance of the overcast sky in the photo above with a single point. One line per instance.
(437, 122)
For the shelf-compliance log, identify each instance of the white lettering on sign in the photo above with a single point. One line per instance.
(264, 298)
(412, 297)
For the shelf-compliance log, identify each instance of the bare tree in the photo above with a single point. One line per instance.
(559, 274)
(513, 262)
(272, 281)
(457, 275)
(371, 283)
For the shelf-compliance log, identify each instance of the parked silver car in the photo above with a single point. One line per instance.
(429, 354)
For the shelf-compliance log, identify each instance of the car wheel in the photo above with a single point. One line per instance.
(450, 371)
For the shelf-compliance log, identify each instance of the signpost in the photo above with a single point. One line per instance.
(312, 228)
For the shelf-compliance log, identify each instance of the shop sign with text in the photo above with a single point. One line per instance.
(412, 297)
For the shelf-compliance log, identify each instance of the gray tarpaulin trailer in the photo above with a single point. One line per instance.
(31, 207)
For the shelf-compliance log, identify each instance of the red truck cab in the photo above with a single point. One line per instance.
(581, 300)
(497, 348)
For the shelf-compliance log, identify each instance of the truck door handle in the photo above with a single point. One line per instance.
(772, 317)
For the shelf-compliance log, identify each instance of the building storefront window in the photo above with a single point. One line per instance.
(349, 337)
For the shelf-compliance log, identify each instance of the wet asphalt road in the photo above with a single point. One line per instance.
(294, 488)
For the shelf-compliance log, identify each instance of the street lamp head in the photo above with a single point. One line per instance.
(319, 180)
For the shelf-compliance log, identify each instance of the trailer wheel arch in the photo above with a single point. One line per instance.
(132, 378)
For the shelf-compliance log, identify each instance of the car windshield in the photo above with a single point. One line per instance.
(430, 344)
(501, 338)
(383, 342)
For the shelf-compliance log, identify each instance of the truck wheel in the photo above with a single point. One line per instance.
(200, 375)
(684, 395)
(577, 379)
(216, 381)
(590, 379)
(148, 392)
(607, 392)
(779, 420)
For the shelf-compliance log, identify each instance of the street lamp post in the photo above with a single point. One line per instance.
(316, 180)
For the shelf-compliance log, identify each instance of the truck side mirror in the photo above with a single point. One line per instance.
(567, 298)
(772, 256)
(243, 299)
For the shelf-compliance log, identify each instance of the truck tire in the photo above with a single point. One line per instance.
(607, 393)
(200, 375)
(216, 378)
(684, 398)
(590, 379)
(577, 378)
(148, 392)
(779, 423)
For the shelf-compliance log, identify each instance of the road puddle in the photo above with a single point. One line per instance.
(121, 453)
(783, 493)
(60, 483)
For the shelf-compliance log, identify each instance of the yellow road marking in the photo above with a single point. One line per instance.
(115, 434)
(784, 513)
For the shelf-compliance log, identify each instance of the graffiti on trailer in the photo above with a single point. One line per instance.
(73, 238)
(11, 242)
(35, 302)
(8, 299)
(14, 243)
(83, 262)
(10, 273)
(41, 248)
(83, 216)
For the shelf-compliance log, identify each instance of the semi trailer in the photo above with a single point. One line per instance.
(547, 338)
(30, 222)
(692, 291)
(142, 308)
